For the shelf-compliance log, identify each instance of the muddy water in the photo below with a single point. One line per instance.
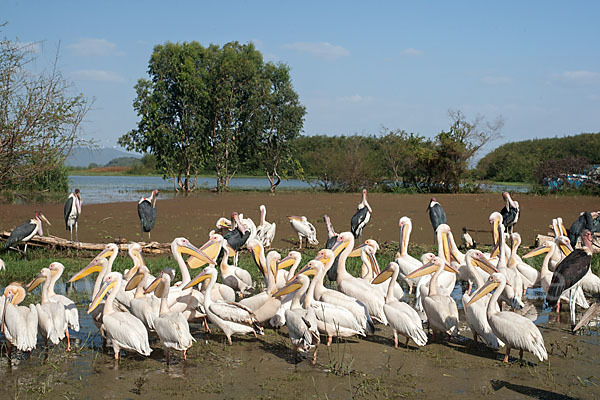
(357, 368)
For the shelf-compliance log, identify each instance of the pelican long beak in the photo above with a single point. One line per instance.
(294, 218)
(566, 249)
(135, 280)
(495, 236)
(357, 250)
(292, 286)
(273, 266)
(255, 250)
(131, 272)
(201, 277)
(563, 230)
(485, 289)
(383, 276)
(103, 290)
(43, 217)
(587, 317)
(92, 267)
(556, 227)
(446, 247)
(537, 251)
(485, 265)
(286, 262)
(339, 246)
(429, 268)
(374, 264)
(193, 251)
(37, 281)
(210, 249)
(151, 287)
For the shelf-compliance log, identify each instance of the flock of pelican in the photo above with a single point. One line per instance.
(130, 308)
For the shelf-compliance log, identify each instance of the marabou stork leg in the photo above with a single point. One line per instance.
(76, 233)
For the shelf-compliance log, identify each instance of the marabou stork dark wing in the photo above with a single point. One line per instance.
(509, 216)
(437, 216)
(68, 207)
(19, 233)
(332, 273)
(577, 227)
(357, 223)
(568, 272)
(235, 238)
(147, 215)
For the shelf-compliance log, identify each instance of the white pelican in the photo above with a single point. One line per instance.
(402, 318)
(561, 244)
(361, 217)
(171, 327)
(516, 331)
(230, 317)
(300, 321)
(263, 304)
(19, 323)
(326, 295)
(476, 313)
(370, 296)
(531, 275)
(292, 260)
(441, 309)
(372, 270)
(71, 311)
(304, 229)
(332, 320)
(122, 329)
(406, 263)
(236, 278)
(52, 318)
(143, 307)
(265, 231)
(513, 276)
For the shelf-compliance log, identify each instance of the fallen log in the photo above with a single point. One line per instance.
(56, 242)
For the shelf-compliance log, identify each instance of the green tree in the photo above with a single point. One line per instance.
(280, 120)
(171, 107)
(40, 120)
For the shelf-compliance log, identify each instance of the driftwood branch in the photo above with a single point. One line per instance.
(61, 243)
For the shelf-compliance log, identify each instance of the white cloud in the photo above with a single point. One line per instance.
(496, 80)
(579, 77)
(356, 98)
(93, 47)
(97, 75)
(323, 50)
(410, 52)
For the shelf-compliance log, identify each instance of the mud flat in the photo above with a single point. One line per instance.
(193, 217)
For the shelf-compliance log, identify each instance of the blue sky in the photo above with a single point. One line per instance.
(357, 66)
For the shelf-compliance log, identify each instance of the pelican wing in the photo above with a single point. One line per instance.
(128, 331)
(233, 312)
(404, 323)
(519, 333)
(335, 315)
(71, 312)
(243, 275)
(174, 331)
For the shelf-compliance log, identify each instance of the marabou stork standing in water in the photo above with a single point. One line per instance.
(361, 217)
(437, 216)
(24, 232)
(72, 212)
(510, 212)
(147, 213)
(569, 272)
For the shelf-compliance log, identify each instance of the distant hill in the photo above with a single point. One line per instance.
(123, 162)
(82, 157)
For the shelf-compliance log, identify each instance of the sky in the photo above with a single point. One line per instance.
(357, 66)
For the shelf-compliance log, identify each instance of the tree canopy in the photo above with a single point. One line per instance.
(215, 107)
(40, 120)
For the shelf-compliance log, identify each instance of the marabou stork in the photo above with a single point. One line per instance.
(237, 237)
(25, 231)
(147, 213)
(72, 212)
(570, 271)
(331, 239)
(361, 217)
(586, 220)
(437, 216)
(510, 212)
